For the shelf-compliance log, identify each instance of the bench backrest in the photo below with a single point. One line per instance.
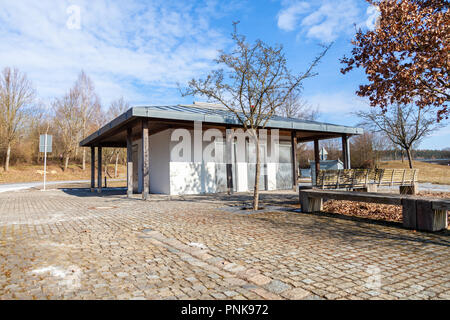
(350, 178)
(404, 177)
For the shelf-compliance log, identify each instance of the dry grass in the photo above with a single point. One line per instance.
(30, 173)
(428, 172)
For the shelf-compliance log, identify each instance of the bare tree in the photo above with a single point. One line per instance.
(16, 96)
(39, 123)
(404, 125)
(379, 144)
(366, 149)
(256, 82)
(296, 107)
(117, 108)
(68, 122)
(88, 104)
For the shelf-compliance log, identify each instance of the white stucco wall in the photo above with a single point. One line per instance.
(189, 176)
(241, 177)
(159, 162)
(272, 176)
(172, 173)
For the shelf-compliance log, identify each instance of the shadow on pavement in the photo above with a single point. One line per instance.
(86, 192)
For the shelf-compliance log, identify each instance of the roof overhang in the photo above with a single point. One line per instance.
(183, 115)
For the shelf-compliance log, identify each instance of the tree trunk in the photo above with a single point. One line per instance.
(84, 159)
(115, 167)
(257, 173)
(408, 152)
(403, 157)
(8, 155)
(66, 163)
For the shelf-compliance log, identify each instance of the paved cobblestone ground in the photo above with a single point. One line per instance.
(71, 244)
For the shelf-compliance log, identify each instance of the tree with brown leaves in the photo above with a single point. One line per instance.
(406, 57)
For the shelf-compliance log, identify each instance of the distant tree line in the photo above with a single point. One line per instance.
(69, 118)
(418, 154)
(365, 150)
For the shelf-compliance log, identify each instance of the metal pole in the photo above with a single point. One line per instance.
(316, 159)
(45, 158)
(294, 160)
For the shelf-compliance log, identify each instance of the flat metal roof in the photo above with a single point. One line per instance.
(192, 113)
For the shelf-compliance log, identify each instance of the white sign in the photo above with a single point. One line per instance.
(43, 145)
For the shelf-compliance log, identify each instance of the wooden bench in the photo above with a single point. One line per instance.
(419, 213)
(368, 179)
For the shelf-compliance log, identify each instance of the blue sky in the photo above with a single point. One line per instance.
(142, 49)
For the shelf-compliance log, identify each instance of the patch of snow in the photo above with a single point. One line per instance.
(70, 277)
(198, 245)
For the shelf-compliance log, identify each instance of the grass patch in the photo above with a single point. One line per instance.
(31, 173)
(428, 172)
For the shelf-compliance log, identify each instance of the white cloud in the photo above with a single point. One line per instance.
(127, 47)
(337, 103)
(373, 13)
(322, 20)
(337, 107)
(288, 17)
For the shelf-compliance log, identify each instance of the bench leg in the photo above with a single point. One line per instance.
(316, 204)
(409, 214)
(310, 204)
(441, 221)
(370, 188)
(414, 189)
(429, 219)
(304, 202)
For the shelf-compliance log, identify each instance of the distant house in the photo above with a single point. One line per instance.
(153, 134)
(325, 165)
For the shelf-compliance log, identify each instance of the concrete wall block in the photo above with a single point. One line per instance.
(409, 214)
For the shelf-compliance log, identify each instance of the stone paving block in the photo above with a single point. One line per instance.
(284, 253)
(260, 280)
(296, 294)
(277, 286)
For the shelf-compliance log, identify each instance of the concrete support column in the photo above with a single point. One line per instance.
(346, 151)
(294, 160)
(145, 160)
(316, 158)
(99, 169)
(129, 162)
(92, 169)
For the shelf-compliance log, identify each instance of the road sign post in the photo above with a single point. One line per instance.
(45, 145)
(45, 159)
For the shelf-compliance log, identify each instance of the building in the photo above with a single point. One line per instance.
(325, 165)
(166, 147)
